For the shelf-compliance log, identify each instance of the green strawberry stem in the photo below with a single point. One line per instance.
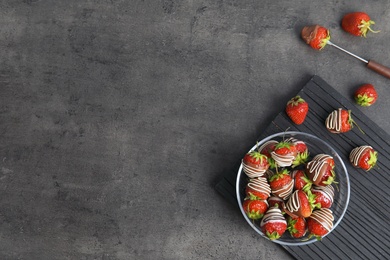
(366, 26)
(352, 122)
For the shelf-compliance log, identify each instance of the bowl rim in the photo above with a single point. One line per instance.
(293, 133)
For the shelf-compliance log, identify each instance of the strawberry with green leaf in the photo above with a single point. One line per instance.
(255, 209)
(357, 23)
(364, 157)
(255, 164)
(301, 182)
(297, 109)
(316, 36)
(296, 226)
(365, 95)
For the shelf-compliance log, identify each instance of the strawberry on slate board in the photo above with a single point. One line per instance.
(357, 23)
(255, 209)
(297, 109)
(364, 157)
(366, 95)
(340, 121)
(316, 36)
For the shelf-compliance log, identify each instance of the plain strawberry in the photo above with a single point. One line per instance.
(297, 109)
(365, 95)
(296, 226)
(316, 36)
(357, 23)
(255, 209)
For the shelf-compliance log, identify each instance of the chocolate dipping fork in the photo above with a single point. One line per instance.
(373, 65)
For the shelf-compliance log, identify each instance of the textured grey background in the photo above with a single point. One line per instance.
(117, 118)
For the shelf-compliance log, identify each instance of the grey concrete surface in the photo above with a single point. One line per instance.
(117, 118)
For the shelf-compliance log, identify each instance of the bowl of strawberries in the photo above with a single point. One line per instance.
(293, 188)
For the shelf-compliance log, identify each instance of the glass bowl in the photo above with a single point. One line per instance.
(315, 146)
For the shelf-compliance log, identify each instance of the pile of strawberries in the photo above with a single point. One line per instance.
(287, 192)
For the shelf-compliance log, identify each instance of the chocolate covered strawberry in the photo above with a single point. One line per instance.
(365, 95)
(323, 196)
(301, 182)
(255, 164)
(273, 224)
(320, 223)
(258, 188)
(324, 158)
(300, 204)
(316, 36)
(255, 209)
(281, 184)
(339, 121)
(296, 226)
(284, 153)
(364, 157)
(302, 152)
(357, 23)
(297, 109)
(320, 173)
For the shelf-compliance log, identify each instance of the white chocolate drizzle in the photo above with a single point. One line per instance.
(357, 153)
(327, 191)
(260, 184)
(251, 171)
(273, 215)
(322, 157)
(293, 204)
(333, 121)
(323, 216)
(316, 166)
(283, 160)
(285, 191)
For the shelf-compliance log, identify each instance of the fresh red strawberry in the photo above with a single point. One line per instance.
(284, 153)
(257, 188)
(297, 109)
(316, 36)
(300, 204)
(364, 157)
(255, 209)
(320, 223)
(323, 196)
(281, 184)
(302, 152)
(255, 164)
(357, 23)
(273, 224)
(296, 226)
(366, 95)
(320, 173)
(340, 121)
(301, 182)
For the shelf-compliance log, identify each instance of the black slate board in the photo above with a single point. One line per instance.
(363, 232)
